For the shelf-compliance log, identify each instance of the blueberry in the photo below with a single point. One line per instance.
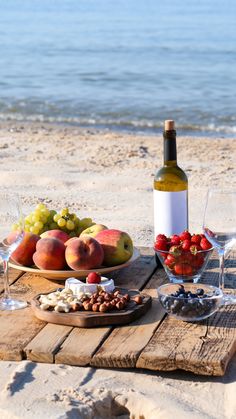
(200, 291)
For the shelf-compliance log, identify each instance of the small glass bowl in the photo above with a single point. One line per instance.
(184, 266)
(201, 302)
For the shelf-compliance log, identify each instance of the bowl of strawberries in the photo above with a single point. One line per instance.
(183, 256)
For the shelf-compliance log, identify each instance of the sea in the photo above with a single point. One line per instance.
(120, 64)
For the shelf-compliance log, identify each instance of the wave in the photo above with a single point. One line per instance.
(140, 125)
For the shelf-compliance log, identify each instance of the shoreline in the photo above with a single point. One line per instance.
(122, 129)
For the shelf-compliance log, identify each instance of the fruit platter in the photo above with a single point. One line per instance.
(94, 303)
(58, 245)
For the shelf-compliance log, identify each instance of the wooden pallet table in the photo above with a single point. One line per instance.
(153, 342)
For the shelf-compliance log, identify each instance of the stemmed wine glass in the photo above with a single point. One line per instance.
(219, 226)
(10, 214)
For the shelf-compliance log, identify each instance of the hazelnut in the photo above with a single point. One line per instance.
(107, 296)
(103, 308)
(117, 292)
(120, 305)
(100, 299)
(127, 297)
(87, 306)
(138, 299)
(95, 307)
(76, 306)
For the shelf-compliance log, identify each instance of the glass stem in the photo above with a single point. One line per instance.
(6, 294)
(222, 264)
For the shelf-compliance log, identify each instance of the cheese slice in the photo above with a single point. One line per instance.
(78, 287)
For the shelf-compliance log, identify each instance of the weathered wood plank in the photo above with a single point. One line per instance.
(19, 327)
(13, 275)
(203, 348)
(81, 344)
(44, 345)
(122, 348)
(136, 275)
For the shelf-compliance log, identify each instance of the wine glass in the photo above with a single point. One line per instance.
(10, 215)
(219, 226)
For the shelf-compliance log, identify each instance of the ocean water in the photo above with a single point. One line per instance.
(123, 64)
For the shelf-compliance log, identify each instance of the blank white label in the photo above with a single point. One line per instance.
(170, 212)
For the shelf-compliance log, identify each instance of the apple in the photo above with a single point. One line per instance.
(117, 246)
(56, 234)
(93, 230)
(84, 253)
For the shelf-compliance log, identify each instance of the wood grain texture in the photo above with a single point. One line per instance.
(19, 327)
(13, 275)
(80, 346)
(122, 348)
(203, 348)
(88, 341)
(45, 344)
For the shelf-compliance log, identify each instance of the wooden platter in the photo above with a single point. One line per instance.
(63, 275)
(90, 319)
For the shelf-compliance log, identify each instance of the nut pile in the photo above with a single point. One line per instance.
(101, 301)
(188, 304)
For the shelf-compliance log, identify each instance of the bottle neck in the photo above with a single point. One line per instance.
(170, 153)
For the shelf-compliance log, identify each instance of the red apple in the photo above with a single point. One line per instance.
(84, 253)
(56, 234)
(117, 246)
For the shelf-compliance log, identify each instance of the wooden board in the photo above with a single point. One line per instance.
(122, 348)
(203, 348)
(90, 319)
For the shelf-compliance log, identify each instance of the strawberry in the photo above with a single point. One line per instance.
(160, 244)
(195, 248)
(170, 261)
(161, 237)
(196, 238)
(205, 244)
(198, 260)
(175, 251)
(174, 240)
(93, 278)
(185, 235)
(186, 245)
(183, 269)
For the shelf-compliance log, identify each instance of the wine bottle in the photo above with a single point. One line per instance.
(170, 189)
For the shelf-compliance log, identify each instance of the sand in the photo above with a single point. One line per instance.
(108, 176)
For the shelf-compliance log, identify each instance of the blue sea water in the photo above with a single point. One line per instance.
(124, 64)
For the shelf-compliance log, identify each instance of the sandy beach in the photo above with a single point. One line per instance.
(108, 176)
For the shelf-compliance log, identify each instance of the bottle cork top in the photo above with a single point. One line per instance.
(169, 125)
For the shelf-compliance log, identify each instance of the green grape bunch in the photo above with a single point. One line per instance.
(42, 219)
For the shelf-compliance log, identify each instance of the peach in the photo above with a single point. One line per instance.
(70, 240)
(50, 254)
(24, 252)
(56, 234)
(84, 253)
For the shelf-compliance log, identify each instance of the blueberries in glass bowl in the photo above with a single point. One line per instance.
(190, 302)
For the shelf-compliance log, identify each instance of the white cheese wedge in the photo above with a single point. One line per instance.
(78, 287)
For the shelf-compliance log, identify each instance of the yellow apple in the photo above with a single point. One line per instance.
(93, 230)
